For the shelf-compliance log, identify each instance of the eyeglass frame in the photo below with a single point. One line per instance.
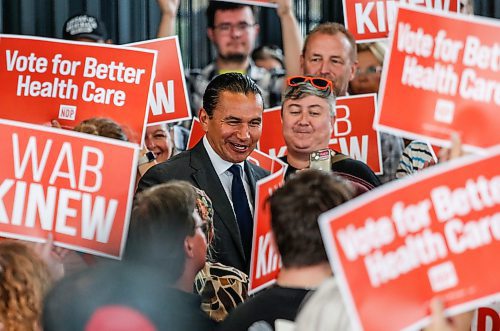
(369, 70)
(226, 28)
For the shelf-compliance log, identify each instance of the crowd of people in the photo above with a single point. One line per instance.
(188, 251)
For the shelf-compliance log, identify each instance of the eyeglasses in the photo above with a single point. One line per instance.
(370, 70)
(226, 28)
(317, 82)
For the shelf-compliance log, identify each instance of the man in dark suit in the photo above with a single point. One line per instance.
(232, 119)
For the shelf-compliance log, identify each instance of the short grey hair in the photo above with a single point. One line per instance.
(305, 89)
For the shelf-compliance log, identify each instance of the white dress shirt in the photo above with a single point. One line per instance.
(225, 176)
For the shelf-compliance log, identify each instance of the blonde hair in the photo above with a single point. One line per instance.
(24, 281)
(378, 50)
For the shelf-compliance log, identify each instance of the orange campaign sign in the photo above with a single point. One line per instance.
(352, 135)
(45, 79)
(265, 262)
(271, 141)
(168, 100)
(68, 184)
(441, 77)
(263, 3)
(196, 133)
(370, 20)
(395, 248)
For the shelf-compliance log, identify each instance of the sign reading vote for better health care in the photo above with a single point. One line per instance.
(76, 186)
(442, 77)
(436, 234)
(47, 79)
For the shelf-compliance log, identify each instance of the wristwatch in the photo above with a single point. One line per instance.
(146, 158)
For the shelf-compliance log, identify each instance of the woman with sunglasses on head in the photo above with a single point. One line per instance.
(308, 116)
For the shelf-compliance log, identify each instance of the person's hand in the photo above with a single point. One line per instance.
(284, 7)
(143, 167)
(439, 322)
(169, 7)
(55, 124)
(454, 152)
(143, 152)
(52, 256)
(428, 164)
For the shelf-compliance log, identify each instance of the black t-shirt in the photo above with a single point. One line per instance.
(347, 166)
(274, 303)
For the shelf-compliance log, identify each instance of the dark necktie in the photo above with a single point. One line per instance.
(242, 210)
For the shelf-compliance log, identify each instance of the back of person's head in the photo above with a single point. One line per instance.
(162, 217)
(266, 52)
(24, 280)
(85, 27)
(306, 89)
(103, 127)
(109, 297)
(214, 6)
(332, 29)
(230, 82)
(295, 208)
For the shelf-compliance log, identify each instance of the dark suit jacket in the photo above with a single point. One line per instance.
(195, 167)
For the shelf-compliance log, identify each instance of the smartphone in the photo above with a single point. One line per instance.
(321, 160)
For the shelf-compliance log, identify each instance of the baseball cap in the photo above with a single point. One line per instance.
(84, 26)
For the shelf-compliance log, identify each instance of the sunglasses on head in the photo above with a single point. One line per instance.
(317, 82)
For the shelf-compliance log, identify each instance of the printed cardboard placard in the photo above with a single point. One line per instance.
(265, 262)
(395, 248)
(487, 318)
(168, 100)
(352, 135)
(271, 141)
(256, 157)
(370, 20)
(196, 133)
(263, 3)
(77, 186)
(45, 79)
(441, 77)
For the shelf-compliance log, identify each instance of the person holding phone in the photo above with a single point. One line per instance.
(308, 115)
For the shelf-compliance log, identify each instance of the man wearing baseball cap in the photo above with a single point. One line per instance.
(84, 27)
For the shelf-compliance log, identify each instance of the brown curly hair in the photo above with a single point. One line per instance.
(103, 127)
(24, 280)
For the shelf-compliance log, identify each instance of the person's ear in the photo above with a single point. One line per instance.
(354, 67)
(210, 34)
(204, 119)
(256, 29)
(189, 247)
(332, 123)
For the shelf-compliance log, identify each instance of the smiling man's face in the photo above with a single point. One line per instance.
(236, 125)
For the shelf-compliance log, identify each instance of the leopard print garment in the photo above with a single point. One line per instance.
(222, 288)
